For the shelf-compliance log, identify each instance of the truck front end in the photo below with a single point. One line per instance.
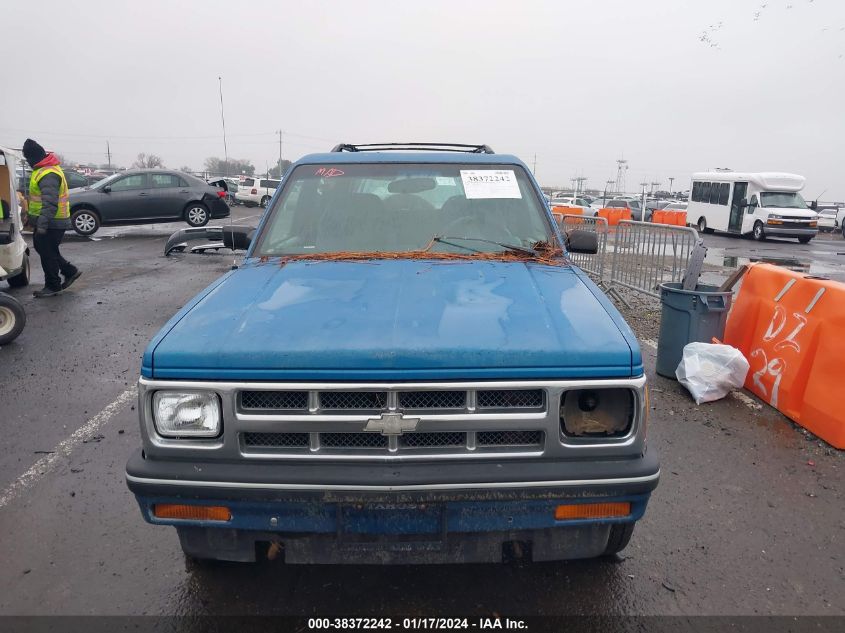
(461, 394)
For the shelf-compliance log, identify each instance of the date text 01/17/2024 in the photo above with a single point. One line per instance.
(415, 624)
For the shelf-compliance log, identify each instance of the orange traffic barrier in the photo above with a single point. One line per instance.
(668, 216)
(613, 216)
(568, 210)
(789, 326)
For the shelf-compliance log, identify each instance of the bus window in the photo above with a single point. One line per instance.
(705, 192)
(752, 206)
(724, 193)
(696, 192)
(714, 193)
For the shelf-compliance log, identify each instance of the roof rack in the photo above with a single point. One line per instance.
(411, 147)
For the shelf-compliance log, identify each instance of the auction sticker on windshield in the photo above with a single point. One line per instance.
(489, 183)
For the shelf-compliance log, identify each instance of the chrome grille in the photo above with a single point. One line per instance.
(432, 440)
(510, 399)
(509, 438)
(275, 400)
(276, 440)
(353, 440)
(432, 399)
(453, 441)
(353, 400)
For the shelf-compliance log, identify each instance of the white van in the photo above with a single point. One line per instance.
(256, 191)
(765, 204)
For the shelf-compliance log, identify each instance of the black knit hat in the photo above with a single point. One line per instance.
(33, 152)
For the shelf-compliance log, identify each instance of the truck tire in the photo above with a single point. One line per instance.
(22, 278)
(757, 232)
(12, 318)
(805, 239)
(620, 536)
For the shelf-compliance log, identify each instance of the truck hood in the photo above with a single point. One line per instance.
(395, 320)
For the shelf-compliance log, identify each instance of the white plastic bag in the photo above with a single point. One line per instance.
(710, 371)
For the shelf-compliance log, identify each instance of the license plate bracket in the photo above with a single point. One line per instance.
(392, 527)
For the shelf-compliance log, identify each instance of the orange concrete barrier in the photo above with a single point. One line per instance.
(789, 326)
(613, 216)
(568, 210)
(680, 218)
(658, 217)
(558, 216)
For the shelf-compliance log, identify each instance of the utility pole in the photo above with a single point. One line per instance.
(606, 185)
(671, 180)
(280, 133)
(642, 204)
(223, 120)
(580, 180)
(534, 168)
(108, 153)
(653, 185)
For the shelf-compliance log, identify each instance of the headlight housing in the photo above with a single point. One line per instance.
(186, 414)
(597, 413)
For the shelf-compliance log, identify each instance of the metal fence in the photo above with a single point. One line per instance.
(594, 265)
(646, 255)
(636, 255)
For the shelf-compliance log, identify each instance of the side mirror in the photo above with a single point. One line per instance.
(238, 238)
(814, 205)
(582, 242)
(106, 189)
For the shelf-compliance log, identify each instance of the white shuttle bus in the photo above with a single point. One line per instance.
(765, 204)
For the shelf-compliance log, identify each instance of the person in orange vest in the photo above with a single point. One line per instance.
(49, 216)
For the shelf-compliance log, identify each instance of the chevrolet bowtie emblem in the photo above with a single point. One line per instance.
(391, 424)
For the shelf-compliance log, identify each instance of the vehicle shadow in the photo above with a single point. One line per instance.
(273, 588)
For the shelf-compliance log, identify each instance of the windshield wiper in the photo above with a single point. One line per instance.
(510, 247)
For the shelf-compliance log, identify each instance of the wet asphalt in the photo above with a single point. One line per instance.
(748, 517)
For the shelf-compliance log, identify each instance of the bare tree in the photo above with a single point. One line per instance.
(237, 166)
(280, 168)
(148, 161)
(186, 169)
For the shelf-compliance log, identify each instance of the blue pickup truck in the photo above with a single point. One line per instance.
(406, 368)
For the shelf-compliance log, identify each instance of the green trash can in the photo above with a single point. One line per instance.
(688, 316)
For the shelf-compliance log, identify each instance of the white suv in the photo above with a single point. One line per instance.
(256, 191)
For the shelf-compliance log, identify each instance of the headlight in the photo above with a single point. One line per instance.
(774, 216)
(180, 414)
(597, 412)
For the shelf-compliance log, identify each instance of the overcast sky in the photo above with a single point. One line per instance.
(675, 86)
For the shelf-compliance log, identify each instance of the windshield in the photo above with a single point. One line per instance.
(105, 181)
(377, 208)
(781, 200)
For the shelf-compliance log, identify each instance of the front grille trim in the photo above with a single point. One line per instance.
(437, 442)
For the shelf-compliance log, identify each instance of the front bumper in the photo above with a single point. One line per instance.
(782, 230)
(407, 512)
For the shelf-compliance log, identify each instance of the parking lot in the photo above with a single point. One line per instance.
(747, 518)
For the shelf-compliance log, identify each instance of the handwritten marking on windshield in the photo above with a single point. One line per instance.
(329, 172)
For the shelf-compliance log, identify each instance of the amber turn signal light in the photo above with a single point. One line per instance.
(194, 513)
(592, 511)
